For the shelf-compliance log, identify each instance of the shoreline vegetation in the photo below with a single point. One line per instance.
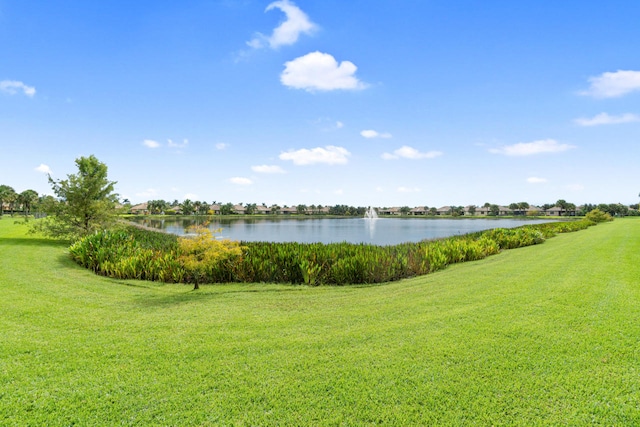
(542, 335)
(137, 253)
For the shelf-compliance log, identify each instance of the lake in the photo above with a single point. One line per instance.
(381, 231)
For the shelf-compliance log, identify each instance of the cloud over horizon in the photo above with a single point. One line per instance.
(606, 119)
(287, 33)
(613, 84)
(12, 87)
(532, 148)
(267, 169)
(370, 133)
(406, 152)
(44, 169)
(150, 143)
(330, 155)
(317, 71)
(240, 180)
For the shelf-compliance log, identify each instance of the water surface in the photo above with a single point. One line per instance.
(382, 231)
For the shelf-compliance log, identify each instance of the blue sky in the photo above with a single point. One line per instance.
(360, 102)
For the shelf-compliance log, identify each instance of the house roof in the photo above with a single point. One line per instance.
(140, 207)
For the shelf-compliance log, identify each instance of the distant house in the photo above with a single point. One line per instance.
(534, 211)
(289, 210)
(262, 210)
(558, 211)
(389, 211)
(323, 210)
(505, 210)
(140, 209)
(445, 210)
(239, 209)
(467, 210)
(482, 211)
(419, 210)
(215, 208)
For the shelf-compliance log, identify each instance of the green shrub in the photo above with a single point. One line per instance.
(597, 216)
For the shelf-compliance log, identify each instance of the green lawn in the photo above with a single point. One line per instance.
(543, 335)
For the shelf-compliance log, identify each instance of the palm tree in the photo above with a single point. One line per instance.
(27, 198)
(187, 207)
(6, 193)
(12, 197)
(196, 206)
(250, 209)
(204, 208)
(562, 204)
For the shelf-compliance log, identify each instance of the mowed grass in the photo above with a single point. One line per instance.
(543, 335)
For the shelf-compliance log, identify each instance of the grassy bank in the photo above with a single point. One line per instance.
(542, 335)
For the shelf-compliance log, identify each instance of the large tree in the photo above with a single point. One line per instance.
(7, 194)
(27, 199)
(86, 202)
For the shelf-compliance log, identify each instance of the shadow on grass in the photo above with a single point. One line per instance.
(33, 241)
(201, 295)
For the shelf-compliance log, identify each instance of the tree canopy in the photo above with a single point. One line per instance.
(86, 202)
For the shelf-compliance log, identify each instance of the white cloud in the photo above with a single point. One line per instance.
(330, 155)
(317, 71)
(536, 180)
(613, 84)
(406, 152)
(240, 180)
(606, 119)
(369, 133)
(287, 32)
(339, 125)
(150, 143)
(172, 144)
(408, 190)
(43, 168)
(531, 148)
(221, 146)
(12, 87)
(267, 169)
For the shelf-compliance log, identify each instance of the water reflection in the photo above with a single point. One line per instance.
(370, 223)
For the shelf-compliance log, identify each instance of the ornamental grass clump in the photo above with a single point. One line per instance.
(129, 254)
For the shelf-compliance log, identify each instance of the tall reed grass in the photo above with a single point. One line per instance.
(133, 253)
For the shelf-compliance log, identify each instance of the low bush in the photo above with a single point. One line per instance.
(597, 215)
(141, 254)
